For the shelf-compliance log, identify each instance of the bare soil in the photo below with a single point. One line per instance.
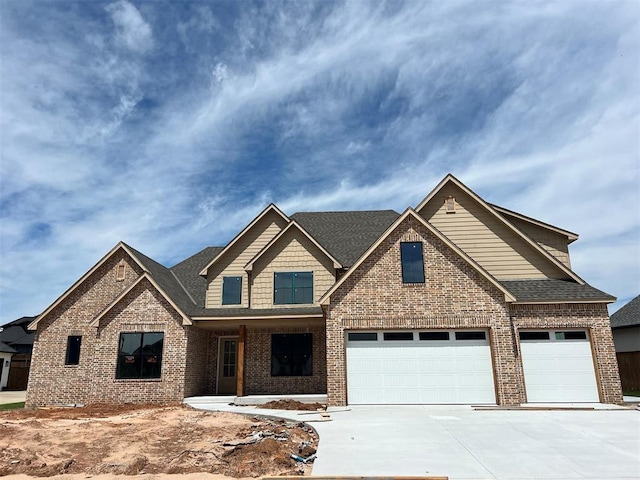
(289, 404)
(149, 440)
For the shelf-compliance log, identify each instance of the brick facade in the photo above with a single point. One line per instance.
(454, 296)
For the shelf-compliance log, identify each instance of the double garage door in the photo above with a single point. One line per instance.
(419, 367)
(455, 367)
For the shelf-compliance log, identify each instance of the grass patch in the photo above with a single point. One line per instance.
(632, 393)
(12, 406)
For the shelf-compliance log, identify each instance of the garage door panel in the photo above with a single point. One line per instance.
(419, 372)
(559, 371)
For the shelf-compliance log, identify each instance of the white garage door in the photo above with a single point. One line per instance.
(558, 366)
(421, 367)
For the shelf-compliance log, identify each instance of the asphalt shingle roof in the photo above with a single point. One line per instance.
(552, 290)
(16, 333)
(628, 315)
(188, 272)
(6, 348)
(346, 235)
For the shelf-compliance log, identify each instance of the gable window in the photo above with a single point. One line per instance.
(140, 355)
(73, 350)
(231, 290)
(120, 272)
(412, 262)
(292, 288)
(291, 355)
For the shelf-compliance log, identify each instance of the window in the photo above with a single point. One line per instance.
(73, 350)
(231, 290)
(412, 262)
(471, 336)
(434, 335)
(140, 355)
(292, 287)
(534, 335)
(363, 337)
(389, 336)
(571, 335)
(291, 355)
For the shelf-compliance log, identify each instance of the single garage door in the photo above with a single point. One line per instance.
(419, 367)
(558, 366)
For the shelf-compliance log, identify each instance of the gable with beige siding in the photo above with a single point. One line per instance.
(554, 243)
(292, 252)
(491, 243)
(233, 261)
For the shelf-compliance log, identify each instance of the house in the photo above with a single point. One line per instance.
(18, 343)
(453, 301)
(6, 352)
(626, 338)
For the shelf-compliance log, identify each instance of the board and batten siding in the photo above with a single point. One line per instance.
(293, 252)
(235, 259)
(487, 240)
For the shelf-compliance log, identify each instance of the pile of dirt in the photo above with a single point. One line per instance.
(289, 404)
(132, 440)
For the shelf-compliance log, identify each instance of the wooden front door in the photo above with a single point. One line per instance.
(227, 365)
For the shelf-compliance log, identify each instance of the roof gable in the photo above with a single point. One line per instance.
(325, 299)
(544, 259)
(292, 226)
(571, 237)
(145, 276)
(270, 208)
(120, 246)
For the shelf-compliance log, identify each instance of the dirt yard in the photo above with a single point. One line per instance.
(152, 441)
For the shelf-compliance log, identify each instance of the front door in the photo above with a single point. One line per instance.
(227, 363)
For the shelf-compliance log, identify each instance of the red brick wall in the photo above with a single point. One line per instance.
(258, 379)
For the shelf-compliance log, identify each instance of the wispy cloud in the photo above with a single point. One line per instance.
(171, 125)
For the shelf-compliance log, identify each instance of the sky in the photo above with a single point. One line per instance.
(169, 125)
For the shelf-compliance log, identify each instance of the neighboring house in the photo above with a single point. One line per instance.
(626, 337)
(19, 338)
(455, 301)
(6, 352)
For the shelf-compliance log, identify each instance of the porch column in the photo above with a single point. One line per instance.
(242, 335)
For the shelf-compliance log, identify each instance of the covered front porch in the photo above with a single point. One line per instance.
(262, 354)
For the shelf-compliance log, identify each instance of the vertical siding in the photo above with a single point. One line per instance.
(233, 262)
(484, 238)
(294, 252)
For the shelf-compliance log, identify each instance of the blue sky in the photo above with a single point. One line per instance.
(170, 125)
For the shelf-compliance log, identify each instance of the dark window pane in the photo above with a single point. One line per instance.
(291, 354)
(73, 350)
(412, 262)
(363, 336)
(231, 290)
(434, 335)
(398, 335)
(571, 335)
(471, 336)
(292, 287)
(534, 335)
(140, 355)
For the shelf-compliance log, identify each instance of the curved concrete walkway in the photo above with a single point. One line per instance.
(465, 444)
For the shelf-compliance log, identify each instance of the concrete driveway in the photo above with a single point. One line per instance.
(465, 444)
(12, 397)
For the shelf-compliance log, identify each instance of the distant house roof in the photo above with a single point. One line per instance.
(15, 334)
(346, 235)
(6, 348)
(553, 290)
(628, 315)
